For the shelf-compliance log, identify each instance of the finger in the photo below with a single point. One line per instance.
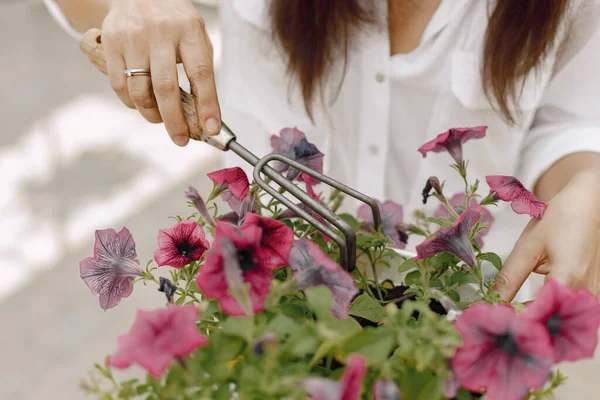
(166, 91)
(196, 54)
(527, 254)
(140, 87)
(115, 66)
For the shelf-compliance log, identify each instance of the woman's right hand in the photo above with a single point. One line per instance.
(154, 34)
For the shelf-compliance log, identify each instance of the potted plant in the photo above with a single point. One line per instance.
(259, 308)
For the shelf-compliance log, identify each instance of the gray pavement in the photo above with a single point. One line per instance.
(73, 160)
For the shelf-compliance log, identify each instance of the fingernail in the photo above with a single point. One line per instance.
(181, 140)
(212, 126)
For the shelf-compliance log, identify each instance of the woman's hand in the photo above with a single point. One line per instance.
(564, 244)
(153, 34)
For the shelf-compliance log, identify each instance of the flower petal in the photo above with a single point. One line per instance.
(234, 179)
(312, 267)
(386, 390)
(192, 195)
(351, 383)
(276, 241)
(509, 189)
(453, 239)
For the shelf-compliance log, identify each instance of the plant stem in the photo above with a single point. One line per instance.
(372, 261)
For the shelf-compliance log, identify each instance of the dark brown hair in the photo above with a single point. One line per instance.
(314, 33)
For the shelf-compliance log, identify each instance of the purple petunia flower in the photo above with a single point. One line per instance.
(459, 199)
(312, 267)
(198, 202)
(180, 244)
(452, 239)
(110, 272)
(452, 140)
(391, 219)
(293, 144)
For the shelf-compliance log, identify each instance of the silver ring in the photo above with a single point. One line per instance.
(137, 72)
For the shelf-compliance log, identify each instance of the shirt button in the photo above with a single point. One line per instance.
(373, 149)
(379, 77)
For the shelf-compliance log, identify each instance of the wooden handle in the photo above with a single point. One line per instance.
(91, 45)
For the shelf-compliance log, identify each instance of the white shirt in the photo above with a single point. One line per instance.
(388, 106)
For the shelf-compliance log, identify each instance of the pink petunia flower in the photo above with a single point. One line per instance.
(348, 388)
(522, 201)
(312, 267)
(452, 239)
(571, 317)
(157, 337)
(432, 183)
(391, 219)
(258, 246)
(110, 272)
(452, 141)
(181, 244)
(451, 386)
(459, 199)
(502, 353)
(386, 390)
(234, 179)
(293, 144)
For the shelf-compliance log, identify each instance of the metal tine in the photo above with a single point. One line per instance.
(334, 219)
(348, 246)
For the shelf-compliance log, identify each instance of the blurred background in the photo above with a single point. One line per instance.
(72, 160)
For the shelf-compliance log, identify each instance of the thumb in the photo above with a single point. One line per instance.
(525, 257)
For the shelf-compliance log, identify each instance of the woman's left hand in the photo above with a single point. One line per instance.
(564, 245)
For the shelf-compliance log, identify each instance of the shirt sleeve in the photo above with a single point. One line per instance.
(60, 17)
(568, 118)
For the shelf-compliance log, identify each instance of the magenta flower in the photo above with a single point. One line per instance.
(451, 386)
(292, 143)
(386, 390)
(459, 199)
(571, 317)
(157, 337)
(252, 250)
(501, 353)
(234, 179)
(452, 141)
(348, 388)
(180, 244)
(452, 239)
(110, 272)
(198, 202)
(391, 219)
(312, 267)
(522, 201)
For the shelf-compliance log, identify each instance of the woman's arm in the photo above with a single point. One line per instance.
(564, 170)
(84, 14)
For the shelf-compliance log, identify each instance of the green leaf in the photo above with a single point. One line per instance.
(239, 326)
(320, 299)
(302, 342)
(412, 278)
(454, 295)
(368, 308)
(460, 278)
(296, 309)
(421, 385)
(351, 221)
(438, 221)
(409, 263)
(492, 258)
(343, 327)
(443, 260)
(282, 325)
(375, 344)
